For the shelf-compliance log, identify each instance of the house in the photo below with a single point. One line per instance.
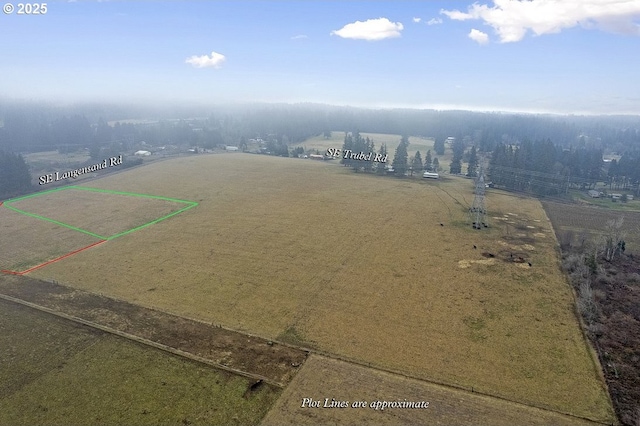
(593, 193)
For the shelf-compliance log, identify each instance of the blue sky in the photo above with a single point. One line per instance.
(564, 56)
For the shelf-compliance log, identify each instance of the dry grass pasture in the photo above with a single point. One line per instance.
(55, 372)
(26, 241)
(358, 266)
(322, 378)
(104, 214)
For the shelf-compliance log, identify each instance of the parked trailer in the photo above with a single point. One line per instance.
(431, 175)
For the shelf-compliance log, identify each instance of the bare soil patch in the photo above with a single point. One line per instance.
(232, 349)
(56, 372)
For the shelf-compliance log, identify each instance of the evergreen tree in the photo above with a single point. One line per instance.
(400, 159)
(455, 167)
(438, 146)
(473, 162)
(369, 147)
(347, 145)
(456, 163)
(436, 165)
(380, 166)
(428, 161)
(416, 163)
(14, 175)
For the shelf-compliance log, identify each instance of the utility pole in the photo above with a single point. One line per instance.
(478, 210)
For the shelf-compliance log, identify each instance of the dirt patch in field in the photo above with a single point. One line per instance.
(229, 348)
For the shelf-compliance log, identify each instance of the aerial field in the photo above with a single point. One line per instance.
(26, 242)
(592, 221)
(55, 372)
(322, 378)
(374, 269)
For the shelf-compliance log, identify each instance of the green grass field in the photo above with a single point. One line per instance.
(358, 266)
(57, 373)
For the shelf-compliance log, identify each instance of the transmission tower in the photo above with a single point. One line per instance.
(478, 210)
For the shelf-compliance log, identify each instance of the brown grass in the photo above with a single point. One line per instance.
(57, 373)
(322, 378)
(358, 266)
(26, 241)
(101, 213)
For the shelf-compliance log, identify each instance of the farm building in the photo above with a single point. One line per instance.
(316, 157)
(142, 153)
(431, 175)
(231, 148)
(593, 193)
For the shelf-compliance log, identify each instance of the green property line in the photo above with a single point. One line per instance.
(191, 205)
(55, 221)
(133, 194)
(153, 221)
(37, 194)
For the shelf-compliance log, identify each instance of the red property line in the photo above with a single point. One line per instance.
(53, 260)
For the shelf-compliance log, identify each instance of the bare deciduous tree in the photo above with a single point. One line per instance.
(613, 238)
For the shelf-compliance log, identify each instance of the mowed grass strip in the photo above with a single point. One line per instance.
(57, 373)
(322, 378)
(359, 266)
(103, 214)
(26, 242)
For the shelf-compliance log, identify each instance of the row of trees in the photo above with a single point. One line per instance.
(401, 164)
(544, 168)
(35, 127)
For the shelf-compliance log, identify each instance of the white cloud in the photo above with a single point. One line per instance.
(511, 19)
(299, 37)
(372, 29)
(478, 36)
(417, 20)
(204, 61)
(434, 21)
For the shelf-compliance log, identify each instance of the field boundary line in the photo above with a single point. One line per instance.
(33, 268)
(324, 354)
(369, 365)
(141, 340)
(594, 352)
(190, 205)
(153, 222)
(73, 228)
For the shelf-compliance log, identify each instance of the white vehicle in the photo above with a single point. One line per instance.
(431, 175)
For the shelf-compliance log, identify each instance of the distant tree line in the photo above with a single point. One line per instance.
(625, 173)
(32, 127)
(543, 168)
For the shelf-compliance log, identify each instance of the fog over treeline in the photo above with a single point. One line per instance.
(32, 126)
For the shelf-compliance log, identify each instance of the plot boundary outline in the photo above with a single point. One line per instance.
(190, 204)
(103, 239)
